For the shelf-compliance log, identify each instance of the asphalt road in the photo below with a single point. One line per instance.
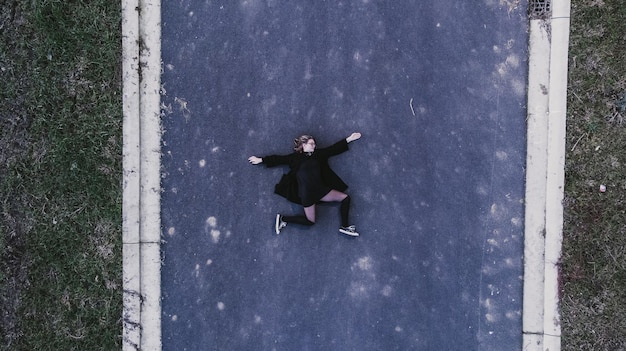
(438, 90)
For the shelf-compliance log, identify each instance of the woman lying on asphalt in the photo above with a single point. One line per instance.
(310, 180)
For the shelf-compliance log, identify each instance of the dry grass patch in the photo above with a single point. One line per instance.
(594, 244)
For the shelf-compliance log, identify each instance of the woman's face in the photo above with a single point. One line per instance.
(309, 146)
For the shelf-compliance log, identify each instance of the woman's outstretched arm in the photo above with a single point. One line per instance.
(271, 160)
(338, 147)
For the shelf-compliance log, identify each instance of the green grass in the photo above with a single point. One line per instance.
(61, 175)
(593, 268)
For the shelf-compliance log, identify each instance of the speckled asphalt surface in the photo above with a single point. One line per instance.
(438, 90)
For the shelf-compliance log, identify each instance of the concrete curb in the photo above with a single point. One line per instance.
(545, 164)
(141, 232)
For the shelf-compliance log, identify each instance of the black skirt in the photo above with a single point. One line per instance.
(311, 189)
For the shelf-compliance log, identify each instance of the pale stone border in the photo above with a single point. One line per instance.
(545, 165)
(141, 71)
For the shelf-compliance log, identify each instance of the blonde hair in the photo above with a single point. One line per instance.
(300, 141)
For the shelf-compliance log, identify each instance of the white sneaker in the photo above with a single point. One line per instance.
(349, 230)
(280, 224)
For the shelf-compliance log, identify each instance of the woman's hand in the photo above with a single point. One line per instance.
(255, 160)
(353, 137)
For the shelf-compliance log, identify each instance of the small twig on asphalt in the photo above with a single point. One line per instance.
(411, 105)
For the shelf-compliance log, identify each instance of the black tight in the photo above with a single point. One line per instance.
(344, 210)
(297, 220)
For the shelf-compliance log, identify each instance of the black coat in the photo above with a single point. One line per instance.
(288, 185)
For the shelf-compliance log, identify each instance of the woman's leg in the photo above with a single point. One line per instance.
(309, 212)
(334, 196)
(344, 209)
(307, 219)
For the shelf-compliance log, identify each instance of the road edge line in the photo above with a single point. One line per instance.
(545, 176)
(141, 232)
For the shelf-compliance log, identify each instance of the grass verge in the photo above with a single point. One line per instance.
(60, 175)
(594, 240)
